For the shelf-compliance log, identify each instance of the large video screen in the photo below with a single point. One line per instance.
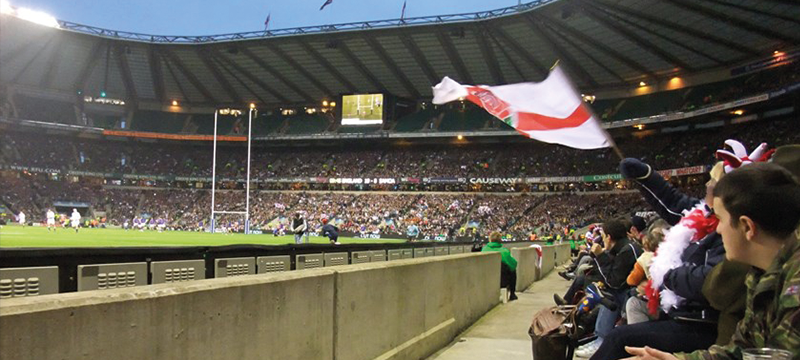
(366, 109)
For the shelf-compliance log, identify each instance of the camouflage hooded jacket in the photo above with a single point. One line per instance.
(772, 316)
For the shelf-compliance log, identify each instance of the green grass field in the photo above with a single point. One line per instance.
(17, 236)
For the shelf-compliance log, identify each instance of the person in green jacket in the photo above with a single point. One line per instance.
(508, 270)
(758, 207)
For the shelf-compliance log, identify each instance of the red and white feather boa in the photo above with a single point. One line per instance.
(694, 226)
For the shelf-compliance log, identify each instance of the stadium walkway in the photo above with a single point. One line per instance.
(503, 332)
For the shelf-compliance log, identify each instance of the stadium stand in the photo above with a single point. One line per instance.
(268, 124)
(35, 108)
(158, 121)
(416, 120)
(307, 124)
(665, 151)
(472, 119)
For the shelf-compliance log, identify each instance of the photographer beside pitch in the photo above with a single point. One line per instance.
(299, 227)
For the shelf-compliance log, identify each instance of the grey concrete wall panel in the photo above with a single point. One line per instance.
(377, 255)
(228, 267)
(308, 261)
(407, 253)
(28, 281)
(423, 304)
(441, 251)
(278, 263)
(527, 266)
(360, 257)
(287, 316)
(177, 271)
(335, 259)
(111, 276)
(395, 254)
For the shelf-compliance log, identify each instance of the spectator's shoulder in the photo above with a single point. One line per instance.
(790, 291)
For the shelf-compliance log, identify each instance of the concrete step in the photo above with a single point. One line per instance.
(503, 332)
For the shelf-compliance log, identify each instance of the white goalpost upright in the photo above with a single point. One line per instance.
(246, 211)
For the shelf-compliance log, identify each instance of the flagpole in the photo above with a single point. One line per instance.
(608, 136)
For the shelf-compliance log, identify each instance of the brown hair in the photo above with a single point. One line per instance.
(655, 235)
(495, 236)
(766, 193)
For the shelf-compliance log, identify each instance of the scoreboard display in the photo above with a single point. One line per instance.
(364, 109)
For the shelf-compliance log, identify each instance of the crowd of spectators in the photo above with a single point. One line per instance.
(557, 212)
(525, 159)
(748, 85)
(435, 214)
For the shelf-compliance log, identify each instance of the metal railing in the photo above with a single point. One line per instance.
(316, 29)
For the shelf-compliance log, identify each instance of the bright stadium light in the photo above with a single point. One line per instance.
(5, 8)
(252, 105)
(37, 17)
(324, 102)
(174, 102)
(642, 83)
(333, 104)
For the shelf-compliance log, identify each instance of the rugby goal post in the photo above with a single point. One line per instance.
(246, 212)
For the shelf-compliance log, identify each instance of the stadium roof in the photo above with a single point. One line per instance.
(603, 44)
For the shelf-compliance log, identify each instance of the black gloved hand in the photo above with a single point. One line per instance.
(631, 168)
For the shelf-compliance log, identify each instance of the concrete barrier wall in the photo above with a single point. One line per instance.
(548, 260)
(284, 316)
(552, 256)
(392, 310)
(527, 266)
(563, 254)
(409, 309)
(527, 260)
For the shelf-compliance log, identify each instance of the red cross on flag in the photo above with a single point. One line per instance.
(551, 111)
